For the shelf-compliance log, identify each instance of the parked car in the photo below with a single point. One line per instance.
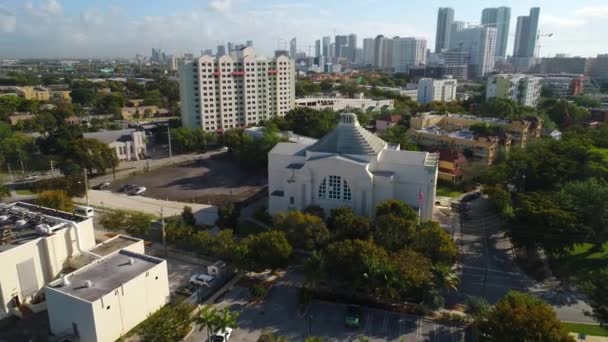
(85, 211)
(352, 317)
(223, 149)
(140, 190)
(221, 336)
(202, 280)
(127, 187)
(30, 178)
(103, 185)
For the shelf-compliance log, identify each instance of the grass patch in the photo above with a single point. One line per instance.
(24, 192)
(576, 265)
(589, 329)
(448, 190)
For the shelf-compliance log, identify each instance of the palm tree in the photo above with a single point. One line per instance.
(207, 318)
(226, 319)
(444, 278)
(314, 268)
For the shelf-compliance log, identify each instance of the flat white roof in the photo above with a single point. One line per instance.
(106, 275)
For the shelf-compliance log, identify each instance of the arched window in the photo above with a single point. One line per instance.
(335, 188)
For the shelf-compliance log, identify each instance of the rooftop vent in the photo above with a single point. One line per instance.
(88, 284)
(131, 261)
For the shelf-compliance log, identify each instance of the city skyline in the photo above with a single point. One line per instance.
(80, 29)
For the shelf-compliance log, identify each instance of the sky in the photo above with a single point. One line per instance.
(124, 28)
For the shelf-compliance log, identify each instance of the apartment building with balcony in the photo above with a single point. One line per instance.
(223, 92)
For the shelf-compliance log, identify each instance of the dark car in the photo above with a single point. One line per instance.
(127, 187)
(352, 317)
(470, 197)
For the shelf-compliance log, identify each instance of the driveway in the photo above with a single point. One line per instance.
(489, 270)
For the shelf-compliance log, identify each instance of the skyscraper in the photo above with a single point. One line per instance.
(341, 46)
(408, 53)
(326, 43)
(293, 48)
(526, 34)
(352, 46)
(480, 44)
(500, 18)
(317, 48)
(445, 17)
(250, 43)
(221, 50)
(379, 51)
(368, 51)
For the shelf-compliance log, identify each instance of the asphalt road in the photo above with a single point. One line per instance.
(488, 268)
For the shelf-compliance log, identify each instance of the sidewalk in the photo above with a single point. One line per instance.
(204, 214)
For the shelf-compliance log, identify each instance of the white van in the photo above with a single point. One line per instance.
(85, 211)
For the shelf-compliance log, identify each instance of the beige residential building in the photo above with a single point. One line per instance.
(130, 113)
(17, 117)
(61, 95)
(218, 93)
(521, 131)
(523, 89)
(34, 93)
(481, 149)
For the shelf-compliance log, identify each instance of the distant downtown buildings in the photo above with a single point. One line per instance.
(224, 92)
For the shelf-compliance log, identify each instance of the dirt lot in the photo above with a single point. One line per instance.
(215, 181)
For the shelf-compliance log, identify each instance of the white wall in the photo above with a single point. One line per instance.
(63, 310)
(50, 254)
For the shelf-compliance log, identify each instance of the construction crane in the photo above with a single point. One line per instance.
(538, 46)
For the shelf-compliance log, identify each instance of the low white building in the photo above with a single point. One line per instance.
(105, 299)
(524, 89)
(339, 103)
(350, 167)
(129, 144)
(436, 90)
(36, 245)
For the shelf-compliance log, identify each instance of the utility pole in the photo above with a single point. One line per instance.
(52, 169)
(86, 185)
(10, 172)
(164, 235)
(22, 167)
(169, 138)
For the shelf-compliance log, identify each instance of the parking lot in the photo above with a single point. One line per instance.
(279, 313)
(216, 181)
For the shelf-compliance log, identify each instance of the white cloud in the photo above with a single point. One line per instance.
(589, 12)
(561, 22)
(46, 8)
(8, 21)
(220, 6)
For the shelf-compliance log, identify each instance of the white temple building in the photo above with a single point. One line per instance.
(351, 167)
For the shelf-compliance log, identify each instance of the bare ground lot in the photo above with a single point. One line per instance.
(216, 181)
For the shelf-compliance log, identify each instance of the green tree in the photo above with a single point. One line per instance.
(394, 232)
(311, 123)
(188, 216)
(227, 216)
(92, 154)
(153, 98)
(55, 199)
(522, 317)
(397, 208)
(436, 244)
(133, 222)
(265, 250)
(345, 224)
(269, 336)
(83, 96)
(315, 210)
(596, 289)
(302, 230)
